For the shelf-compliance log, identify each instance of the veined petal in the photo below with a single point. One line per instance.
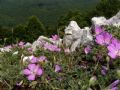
(112, 55)
(26, 72)
(57, 68)
(31, 77)
(100, 39)
(39, 72)
(114, 84)
(31, 67)
(112, 48)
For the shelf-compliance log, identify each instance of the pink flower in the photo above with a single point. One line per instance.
(87, 49)
(9, 46)
(114, 49)
(30, 49)
(32, 71)
(113, 86)
(42, 59)
(104, 70)
(57, 68)
(51, 47)
(21, 44)
(33, 59)
(103, 39)
(55, 37)
(98, 30)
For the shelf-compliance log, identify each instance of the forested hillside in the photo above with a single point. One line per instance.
(13, 12)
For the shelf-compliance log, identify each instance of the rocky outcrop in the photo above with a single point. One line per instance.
(74, 36)
(42, 40)
(115, 20)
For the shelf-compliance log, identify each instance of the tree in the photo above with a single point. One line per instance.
(20, 32)
(35, 28)
(107, 8)
(72, 15)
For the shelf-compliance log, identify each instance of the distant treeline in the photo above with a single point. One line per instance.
(34, 27)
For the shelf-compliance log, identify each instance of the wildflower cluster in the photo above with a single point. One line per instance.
(106, 39)
(52, 67)
(34, 68)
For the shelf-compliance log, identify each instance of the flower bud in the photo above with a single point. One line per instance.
(93, 81)
(118, 73)
(108, 59)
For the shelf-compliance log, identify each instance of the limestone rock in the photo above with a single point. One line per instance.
(115, 20)
(39, 42)
(98, 21)
(74, 36)
(42, 40)
(28, 44)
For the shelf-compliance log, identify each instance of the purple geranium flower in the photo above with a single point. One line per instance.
(51, 47)
(55, 37)
(21, 44)
(104, 70)
(42, 59)
(114, 49)
(114, 88)
(114, 85)
(9, 46)
(32, 71)
(57, 68)
(33, 59)
(30, 49)
(104, 38)
(98, 30)
(87, 49)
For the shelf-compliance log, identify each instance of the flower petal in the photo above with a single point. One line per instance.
(112, 55)
(114, 88)
(114, 84)
(31, 77)
(111, 48)
(31, 67)
(39, 72)
(26, 72)
(57, 68)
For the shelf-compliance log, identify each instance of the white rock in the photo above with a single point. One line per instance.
(28, 44)
(42, 40)
(115, 20)
(38, 43)
(74, 36)
(99, 21)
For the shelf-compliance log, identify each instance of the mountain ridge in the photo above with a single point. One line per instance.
(13, 12)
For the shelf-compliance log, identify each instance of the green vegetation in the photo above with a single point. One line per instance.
(59, 13)
(77, 70)
(13, 12)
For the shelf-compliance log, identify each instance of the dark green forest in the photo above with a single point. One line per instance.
(26, 20)
(13, 12)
